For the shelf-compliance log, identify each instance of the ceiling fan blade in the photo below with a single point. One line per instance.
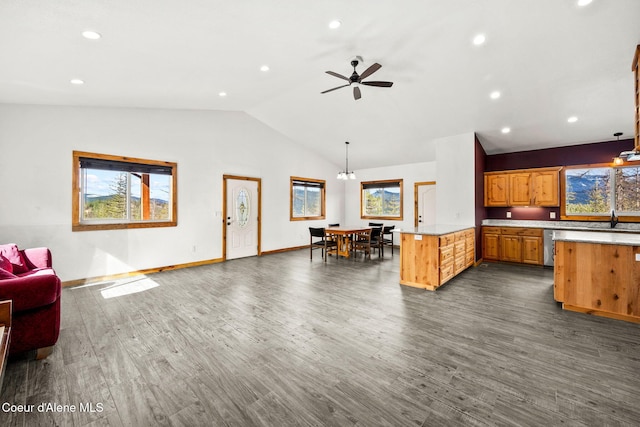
(372, 69)
(381, 84)
(335, 88)
(356, 93)
(340, 76)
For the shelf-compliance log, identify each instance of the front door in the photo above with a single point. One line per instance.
(242, 217)
(426, 204)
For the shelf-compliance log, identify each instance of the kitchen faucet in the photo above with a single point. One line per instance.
(614, 219)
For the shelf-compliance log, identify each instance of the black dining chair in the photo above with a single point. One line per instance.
(326, 243)
(387, 237)
(377, 242)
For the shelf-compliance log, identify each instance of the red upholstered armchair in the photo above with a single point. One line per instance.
(28, 279)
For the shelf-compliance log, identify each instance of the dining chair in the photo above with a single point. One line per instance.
(387, 241)
(377, 240)
(325, 244)
(362, 241)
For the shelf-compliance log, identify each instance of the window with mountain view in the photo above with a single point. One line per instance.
(381, 199)
(307, 199)
(596, 191)
(120, 192)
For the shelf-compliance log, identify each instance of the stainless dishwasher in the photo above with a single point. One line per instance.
(548, 247)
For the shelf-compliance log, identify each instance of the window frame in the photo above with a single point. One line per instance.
(77, 193)
(384, 183)
(595, 217)
(323, 191)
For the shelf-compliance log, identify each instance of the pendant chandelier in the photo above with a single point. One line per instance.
(346, 174)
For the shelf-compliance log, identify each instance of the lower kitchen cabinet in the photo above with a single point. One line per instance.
(513, 244)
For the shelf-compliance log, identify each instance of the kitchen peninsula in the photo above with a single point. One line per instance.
(598, 273)
(432, 255)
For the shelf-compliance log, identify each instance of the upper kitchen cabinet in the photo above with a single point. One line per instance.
(636, 70)
(545, 187)
(525, 187)
(496, 187)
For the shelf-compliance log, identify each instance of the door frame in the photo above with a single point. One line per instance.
(415, 199)
(224, 211)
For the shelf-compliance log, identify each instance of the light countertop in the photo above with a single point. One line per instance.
(627, 239)
(565, 225)
(433, 230)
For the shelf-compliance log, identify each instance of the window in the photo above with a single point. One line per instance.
(593, 192)
(113, 192)
(307, 199)
(381, 199)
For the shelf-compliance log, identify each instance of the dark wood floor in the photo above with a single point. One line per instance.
(279, 340)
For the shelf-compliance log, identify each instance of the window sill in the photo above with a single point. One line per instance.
(122, 226)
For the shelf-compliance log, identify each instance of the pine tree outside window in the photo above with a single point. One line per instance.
(592, 192)
(119, 192)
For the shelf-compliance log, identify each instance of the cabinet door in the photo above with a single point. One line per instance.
(496, 190)
(511, 248)
(532, 250)
(520, 189)
(545, 188)
(636, 71)
(491, 246)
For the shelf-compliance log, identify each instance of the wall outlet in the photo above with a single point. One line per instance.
(637, 257)
(508, 214)
(552, 215)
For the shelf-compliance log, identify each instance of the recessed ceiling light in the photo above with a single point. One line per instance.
(495, 94)
(76, 82)
(505, 130)
(572, 119)
(334, 24)
(222, 94)
(264, 68)
(91, 35)
(479, 39)
(583, 2)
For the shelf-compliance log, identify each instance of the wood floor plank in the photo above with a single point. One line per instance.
(282, 340)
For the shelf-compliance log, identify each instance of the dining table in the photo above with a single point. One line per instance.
(344, 236)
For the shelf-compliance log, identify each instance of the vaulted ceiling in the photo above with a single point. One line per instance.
(548, 59)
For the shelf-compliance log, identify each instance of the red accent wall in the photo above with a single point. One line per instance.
(583, 154)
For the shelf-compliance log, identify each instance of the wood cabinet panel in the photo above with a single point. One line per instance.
(546, 189)
(635, 66)
(491, 246)
(496, 190)
(427, 262)
(599, 279)
(519, 189)
(511, 248)
(532, 250)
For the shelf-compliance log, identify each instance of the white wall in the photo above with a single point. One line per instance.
(455, 179)
(36, 144)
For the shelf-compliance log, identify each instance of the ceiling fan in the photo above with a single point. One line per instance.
(357, 79)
